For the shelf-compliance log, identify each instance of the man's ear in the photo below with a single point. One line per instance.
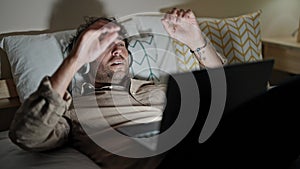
(130, 58)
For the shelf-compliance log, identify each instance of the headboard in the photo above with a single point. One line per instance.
(9, 102)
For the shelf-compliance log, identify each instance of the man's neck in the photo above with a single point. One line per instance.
(125, 83)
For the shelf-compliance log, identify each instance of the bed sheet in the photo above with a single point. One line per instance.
(12, 157)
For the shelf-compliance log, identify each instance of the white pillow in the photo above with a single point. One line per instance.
(31, 57)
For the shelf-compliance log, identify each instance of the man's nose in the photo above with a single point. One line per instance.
(116, 51)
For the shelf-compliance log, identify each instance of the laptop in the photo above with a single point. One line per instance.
(198, 94)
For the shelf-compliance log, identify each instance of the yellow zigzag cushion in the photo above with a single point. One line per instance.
(184, 58)
(237, 38)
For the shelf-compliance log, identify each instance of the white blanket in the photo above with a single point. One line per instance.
(12, 157)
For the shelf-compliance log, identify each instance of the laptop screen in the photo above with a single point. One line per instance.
(240, 83)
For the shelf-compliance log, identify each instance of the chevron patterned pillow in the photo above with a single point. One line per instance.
(236, 38)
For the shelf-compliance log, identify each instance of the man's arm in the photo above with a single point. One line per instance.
(40, 123)
(182, 26)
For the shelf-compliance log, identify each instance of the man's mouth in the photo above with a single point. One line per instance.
(117, 63)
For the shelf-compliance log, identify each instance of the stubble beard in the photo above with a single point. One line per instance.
(118, 77)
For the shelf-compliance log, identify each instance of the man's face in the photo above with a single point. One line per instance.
(113, 65)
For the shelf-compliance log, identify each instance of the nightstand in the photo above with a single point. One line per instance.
(285, 51)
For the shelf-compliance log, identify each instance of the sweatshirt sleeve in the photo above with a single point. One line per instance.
(40, 122)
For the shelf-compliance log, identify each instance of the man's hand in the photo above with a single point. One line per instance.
(89, 46)
(93, 42)
(182, 26)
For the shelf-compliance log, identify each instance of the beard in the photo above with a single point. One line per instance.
(119, 77)
(110, 72)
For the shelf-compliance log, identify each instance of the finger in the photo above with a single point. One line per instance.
(189, 14)
(165, 23)
(108, 39)
(111, 25)
(179, 15)
(173, 11)
(167, 26)
(102, 32)
(99, 24)
(168, 17)
(172, 19)
(171, 15)
(181, 12)
(110, 28)
(186, 13)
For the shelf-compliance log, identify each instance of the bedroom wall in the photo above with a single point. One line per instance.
(279, 18)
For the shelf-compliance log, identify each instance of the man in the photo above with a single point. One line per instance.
(48, 120)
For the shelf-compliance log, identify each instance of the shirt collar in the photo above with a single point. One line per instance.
(135, 85)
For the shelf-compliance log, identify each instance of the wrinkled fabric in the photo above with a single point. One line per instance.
(46, 121)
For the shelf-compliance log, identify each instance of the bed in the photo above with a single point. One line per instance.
(28, 56)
